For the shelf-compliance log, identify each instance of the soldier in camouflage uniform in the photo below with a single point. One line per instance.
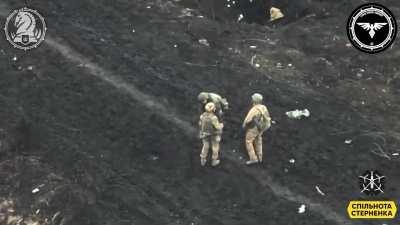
(256, 122)
(220, 103)
(210, 134)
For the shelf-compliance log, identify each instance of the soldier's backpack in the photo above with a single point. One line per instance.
(262, 122)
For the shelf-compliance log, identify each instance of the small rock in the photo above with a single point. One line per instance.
(148, 7)
(290, 65)
(36, 190)
(253, 46)
(175, 46)
(30, 68)
(348, 141)
(257, 65)
(240, 17)
(14, 58)
(285, 170)
(204, 41)
(302, 209)
(133, 30)
(348, 45)
(292, 161)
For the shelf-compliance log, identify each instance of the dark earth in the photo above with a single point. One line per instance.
(98, 124)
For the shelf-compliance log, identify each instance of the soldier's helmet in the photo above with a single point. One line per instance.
(257, 98)
(210, 107)
(202, 97)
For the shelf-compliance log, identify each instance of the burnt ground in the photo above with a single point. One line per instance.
(103, 125)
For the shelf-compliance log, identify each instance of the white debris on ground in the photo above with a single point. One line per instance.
(240, 17)
(319, 190)
(204, 42)
(36, 190)
(348, 141)
(175, 46)
(186, 12)
(14, 58)
(30, 68)
(252, 46)
(286, 170)
(292, 161)
(298, 114)
(133, 30)
(256, 65)
(154, 158)
(302, 209)
(396, 154)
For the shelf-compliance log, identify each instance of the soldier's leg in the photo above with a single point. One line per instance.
(215, 140)
(259, 149)
(251, 135)
(204, 150)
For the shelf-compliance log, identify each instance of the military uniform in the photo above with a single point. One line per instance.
(254, 132)
(219, 102)
(210, 134)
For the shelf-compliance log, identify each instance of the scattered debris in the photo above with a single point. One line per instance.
(148, 7)
(30, 68)
(253, 46)
(298, 114)
(396, 154)
(348, 141)
(257, 65)
(175, 46)
(290, 65)
(279, 65)
(319, 191)
(14, 58)
(302, 209)
(275, 14)
(240, 17)
(273, 122)
(292, 161)
(204, 42)
(133, 30)
(285, 170)
(36, 190)
(154, 158)
(348, 45)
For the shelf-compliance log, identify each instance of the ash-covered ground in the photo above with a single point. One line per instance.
(98, 124)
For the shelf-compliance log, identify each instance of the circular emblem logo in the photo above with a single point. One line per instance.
(25, 28)
(372, 28)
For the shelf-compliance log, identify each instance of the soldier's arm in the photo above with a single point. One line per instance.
(249, 117)
(217, 124)
(201, 117)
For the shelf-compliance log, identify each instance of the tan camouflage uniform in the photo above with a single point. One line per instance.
(210, 134)
(253, 135)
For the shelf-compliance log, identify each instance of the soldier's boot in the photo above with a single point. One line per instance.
(215, 162)
(251, 162)
(203, 162)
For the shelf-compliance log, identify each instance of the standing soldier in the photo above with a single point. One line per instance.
(219, 102)
(256, 122)
(210, 134)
